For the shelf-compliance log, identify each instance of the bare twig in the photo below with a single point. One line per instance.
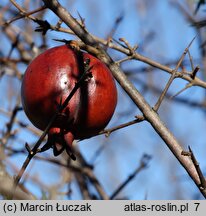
(194, 72)
(189, 85)
(172, 77)
(82, 183)
(21, 10)
(197, 167)
(117, 22)
(92, 177)
(107, 132)
(23, 15)
(20, 123)
(143, 164)
(10, 124)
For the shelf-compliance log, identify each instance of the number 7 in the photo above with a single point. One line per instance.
(197, 205)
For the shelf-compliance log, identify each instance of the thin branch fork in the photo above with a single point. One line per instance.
(173, 76)
(22, 11)
(150, 115)
(24, 14)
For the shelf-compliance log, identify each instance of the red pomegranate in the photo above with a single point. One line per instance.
(48, 81)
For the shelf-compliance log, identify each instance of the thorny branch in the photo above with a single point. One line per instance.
(90, 44)
(121, 48)
(94, 44)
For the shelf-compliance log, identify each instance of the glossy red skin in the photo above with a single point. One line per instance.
(49, 79)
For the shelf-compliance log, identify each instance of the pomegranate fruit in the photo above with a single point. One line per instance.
(48, 81)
